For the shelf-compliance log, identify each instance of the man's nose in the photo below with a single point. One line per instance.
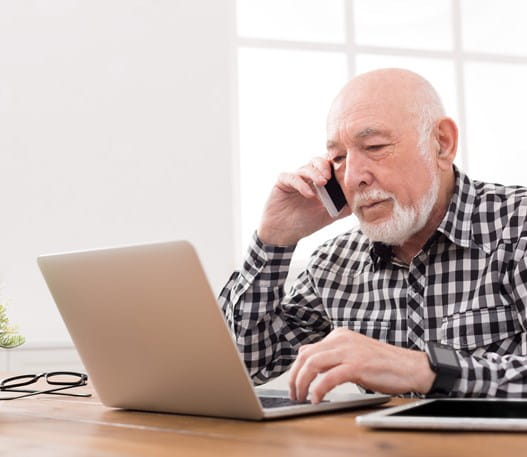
(358, 174)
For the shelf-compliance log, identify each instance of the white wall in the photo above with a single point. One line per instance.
(114, 129)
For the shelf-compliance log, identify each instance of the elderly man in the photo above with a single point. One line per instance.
(427, 296)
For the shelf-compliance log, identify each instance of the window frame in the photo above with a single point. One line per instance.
(351, 49)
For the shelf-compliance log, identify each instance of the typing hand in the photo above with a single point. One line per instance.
(347, 356)
(293, 210)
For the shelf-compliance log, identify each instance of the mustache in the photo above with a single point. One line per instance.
(361, 198)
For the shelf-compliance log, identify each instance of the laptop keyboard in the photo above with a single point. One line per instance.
(280, 402)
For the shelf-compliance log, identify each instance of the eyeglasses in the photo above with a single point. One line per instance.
(60, 380)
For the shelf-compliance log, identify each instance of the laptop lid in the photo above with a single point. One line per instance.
(151, 335)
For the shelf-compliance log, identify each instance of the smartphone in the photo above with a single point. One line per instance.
(331, 196)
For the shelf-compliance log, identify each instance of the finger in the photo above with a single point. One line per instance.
(315, 364)
(329, 380)
(295, 367)
(304, 352)
(289, 182)
(323, 165)
(314, 174)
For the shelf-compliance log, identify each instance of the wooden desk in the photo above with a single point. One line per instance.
(60, 426)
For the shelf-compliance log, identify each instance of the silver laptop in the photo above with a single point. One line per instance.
(152, 337)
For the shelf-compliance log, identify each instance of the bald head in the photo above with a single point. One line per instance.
(401, 93)
(392, 150)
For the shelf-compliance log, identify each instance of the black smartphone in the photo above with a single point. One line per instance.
(332, 196)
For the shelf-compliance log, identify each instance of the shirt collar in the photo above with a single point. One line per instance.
(456, 224)
(380, 252)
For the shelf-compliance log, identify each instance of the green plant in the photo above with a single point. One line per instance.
(9, 336)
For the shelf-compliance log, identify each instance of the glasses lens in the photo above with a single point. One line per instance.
(66, 378)
(18, 381)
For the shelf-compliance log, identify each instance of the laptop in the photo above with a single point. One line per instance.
(452, 414)
(152, 336)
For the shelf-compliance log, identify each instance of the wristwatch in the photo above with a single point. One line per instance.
(444, 362)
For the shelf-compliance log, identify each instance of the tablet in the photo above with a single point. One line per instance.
(456, 414)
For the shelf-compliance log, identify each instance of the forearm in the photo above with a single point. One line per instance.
(262, 319)
(257, 288)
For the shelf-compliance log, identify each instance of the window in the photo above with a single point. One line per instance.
(294, 55)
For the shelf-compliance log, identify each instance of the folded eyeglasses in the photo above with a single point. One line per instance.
(58, 381)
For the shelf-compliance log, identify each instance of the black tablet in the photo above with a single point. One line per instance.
(456, 414)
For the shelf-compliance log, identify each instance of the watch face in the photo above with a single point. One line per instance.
(446, 356)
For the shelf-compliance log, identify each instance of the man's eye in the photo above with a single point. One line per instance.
(376, 147)
(378, 151)
(338, 159)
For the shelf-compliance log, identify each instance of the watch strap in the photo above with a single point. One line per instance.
(447, 371)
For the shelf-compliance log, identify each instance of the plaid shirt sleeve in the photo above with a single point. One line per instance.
(268, 326)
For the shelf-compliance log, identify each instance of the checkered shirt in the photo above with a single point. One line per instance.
(467, 288)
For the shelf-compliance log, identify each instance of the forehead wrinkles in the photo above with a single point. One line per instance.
(348, 131)
(380, 111)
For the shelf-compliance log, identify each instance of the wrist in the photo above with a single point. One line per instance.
(276, 237)
(423, 374)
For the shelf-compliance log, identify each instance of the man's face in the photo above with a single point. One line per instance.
(389, 183)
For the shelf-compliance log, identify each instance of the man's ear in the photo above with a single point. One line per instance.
(446, 137)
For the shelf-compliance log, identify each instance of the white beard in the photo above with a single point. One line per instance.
(405, 220)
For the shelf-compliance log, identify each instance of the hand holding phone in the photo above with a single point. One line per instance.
(332, 196)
